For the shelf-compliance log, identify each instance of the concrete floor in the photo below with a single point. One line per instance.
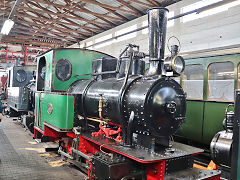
(24, 159)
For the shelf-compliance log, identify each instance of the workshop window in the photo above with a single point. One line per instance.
(126, 30)
(192, 81)
(89, 45)
(101, 41)
(208, 12)
(221, 81)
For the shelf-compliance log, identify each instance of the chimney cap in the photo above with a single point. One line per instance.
(158, 8)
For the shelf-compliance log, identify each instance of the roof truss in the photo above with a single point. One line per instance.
(58, 23)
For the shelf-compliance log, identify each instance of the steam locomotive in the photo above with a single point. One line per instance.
(20, 94)
(116, 122)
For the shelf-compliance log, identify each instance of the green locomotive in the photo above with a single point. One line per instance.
(210, 83)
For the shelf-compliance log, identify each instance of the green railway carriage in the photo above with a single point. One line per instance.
(210, 83)
(57, 70)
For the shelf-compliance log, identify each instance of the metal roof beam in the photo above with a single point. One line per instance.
(64, 16)
(50, 23)
(141, 3)
(77, 9)
(50, 29)
(42, 32)
(138, 13)
(14, 8)
(154, 3)
(109, 7)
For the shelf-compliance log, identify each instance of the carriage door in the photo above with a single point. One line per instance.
(220, 92)
(192, 83)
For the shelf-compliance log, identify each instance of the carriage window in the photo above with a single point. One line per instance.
(221, 81)
(193, 81)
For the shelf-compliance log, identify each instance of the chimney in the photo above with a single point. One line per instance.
(157, 24)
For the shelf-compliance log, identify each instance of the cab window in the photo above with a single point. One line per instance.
(221, 81)
(192, 81)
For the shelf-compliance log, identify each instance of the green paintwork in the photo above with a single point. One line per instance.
(62, 113)
(49, 57)
(36, 111)
(213, 116)
(80, 59)
(81, 64)
(63, 106)
(193, 125)
(204, 118)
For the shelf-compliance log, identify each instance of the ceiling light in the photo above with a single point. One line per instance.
(7, 26)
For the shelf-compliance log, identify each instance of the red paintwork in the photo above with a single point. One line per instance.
(89, 172)
(156, 171)
(3, 81)
(36, 129)
(87, 147)
(218, 177)
(26, 54)
(113, 150)
(108, 132)
(52, 133)
(90, 165)
(70, 134)
(114, 124)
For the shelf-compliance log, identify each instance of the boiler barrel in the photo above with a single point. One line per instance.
(159, 105)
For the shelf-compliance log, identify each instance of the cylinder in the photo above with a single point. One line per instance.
(230, 120)
(157, 24)
(221, 148)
